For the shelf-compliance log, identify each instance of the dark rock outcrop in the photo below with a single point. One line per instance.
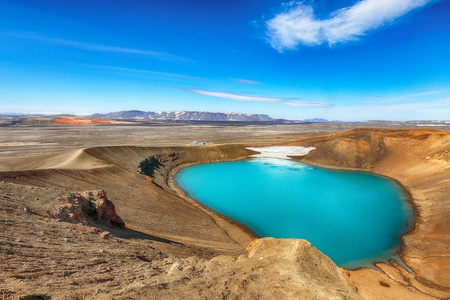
(153, 163)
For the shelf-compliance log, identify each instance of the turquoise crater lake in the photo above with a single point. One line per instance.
(355, 218)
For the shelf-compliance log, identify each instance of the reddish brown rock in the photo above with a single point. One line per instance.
(105, 235)
(84, 121)
(89, 208)
(96, 230)
(106, 210)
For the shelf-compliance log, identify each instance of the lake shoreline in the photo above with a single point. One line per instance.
(220, 219)
(415, 217)
(174, 185)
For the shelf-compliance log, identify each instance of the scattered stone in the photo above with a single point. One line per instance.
(142, 257)
(175, 268)
(35, 297)
(195, 143)
(105, 235)
(188, 269)
(19, 240)
(440, 156)
(96, 230)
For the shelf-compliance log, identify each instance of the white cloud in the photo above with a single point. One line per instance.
(402, 98)
(299, 25)
(436, 104)
(438, 109)
(145, 72)
(245, 81)
(310, 104)
(96, 47)
(238, 97)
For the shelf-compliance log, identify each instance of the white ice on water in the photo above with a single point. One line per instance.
(281, 151)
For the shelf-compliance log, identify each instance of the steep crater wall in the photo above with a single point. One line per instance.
(418, 159)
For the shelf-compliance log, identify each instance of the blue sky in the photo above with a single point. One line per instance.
(346, 60)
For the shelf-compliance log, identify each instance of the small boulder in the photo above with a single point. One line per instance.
(96, 230)
(175, 268)
(35, 297)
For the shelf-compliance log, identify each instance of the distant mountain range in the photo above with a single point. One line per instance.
(203, 116)
(138, 116)
(184, 116)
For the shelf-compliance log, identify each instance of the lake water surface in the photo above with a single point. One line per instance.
(355, 218)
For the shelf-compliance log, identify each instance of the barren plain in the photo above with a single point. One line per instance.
(173, 247)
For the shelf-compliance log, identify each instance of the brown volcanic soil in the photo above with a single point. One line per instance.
(85, 121)
(173, 247)
(420, 161)
(77, 121)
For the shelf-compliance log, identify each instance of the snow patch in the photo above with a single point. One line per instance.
(431, 125)
(281, 151)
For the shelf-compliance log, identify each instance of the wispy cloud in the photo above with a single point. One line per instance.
(145, 72)
(436, 104)
(97, 47)
(408, 97)
(239, 97)
(307, 104)
(245, 81)
(435, 109)
(17, 112)
(235, 96)
(299, 25)
(426, 93)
